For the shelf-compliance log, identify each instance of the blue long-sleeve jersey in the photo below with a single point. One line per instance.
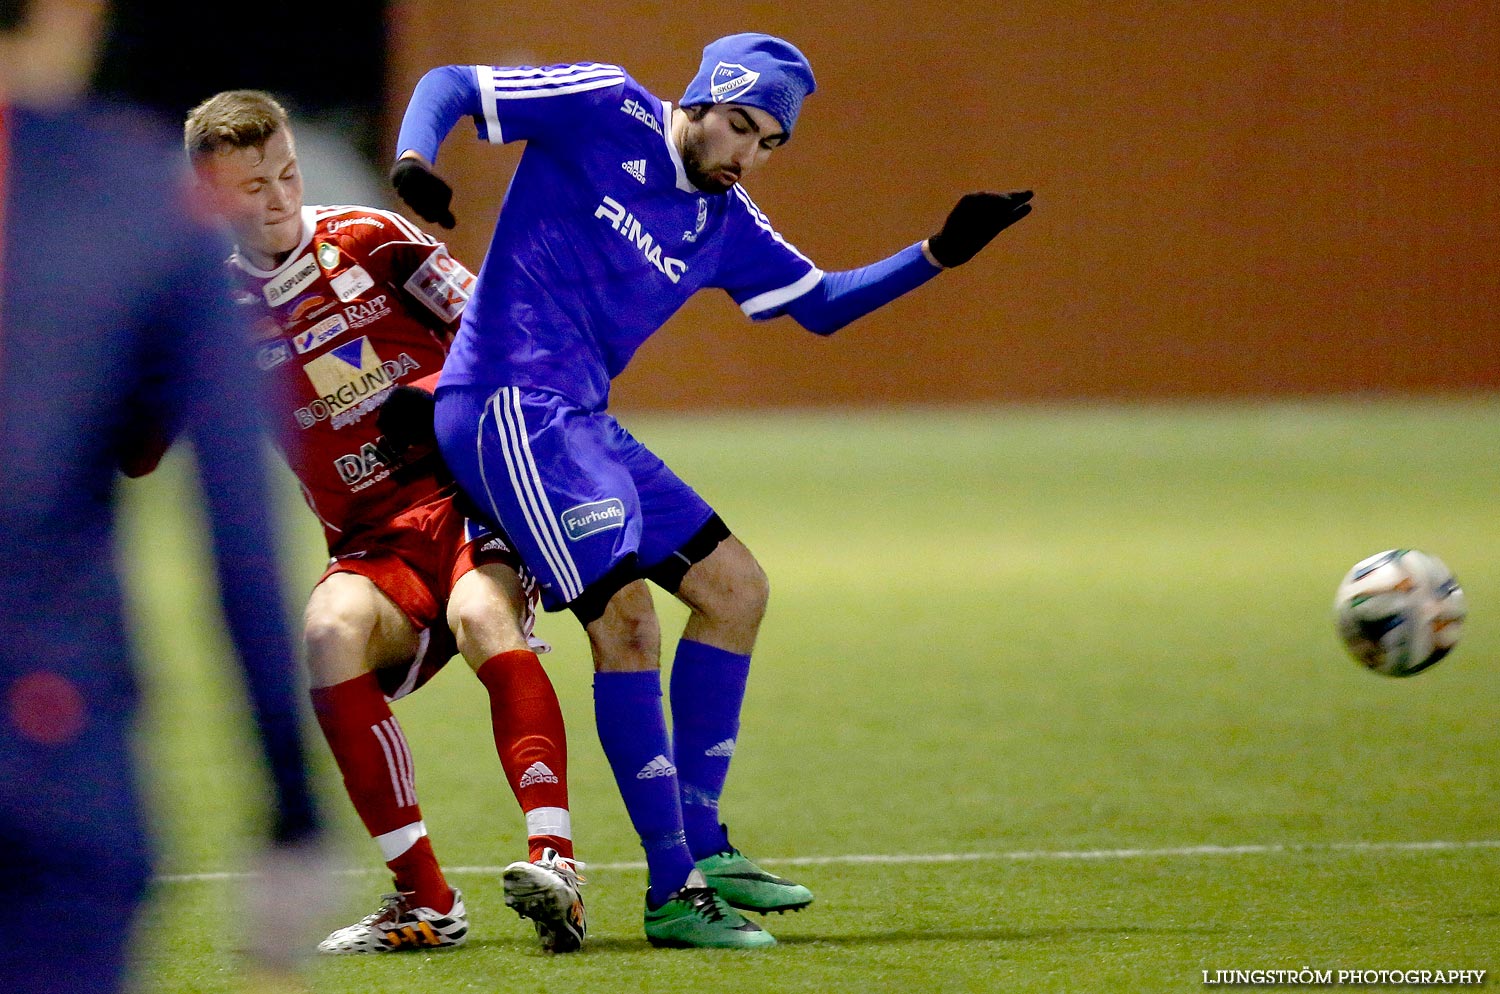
(115, 319)
(602, 237)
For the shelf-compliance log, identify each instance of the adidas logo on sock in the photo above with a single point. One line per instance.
(658, 767)
(636, 168)
(725, 749)
(537, 773)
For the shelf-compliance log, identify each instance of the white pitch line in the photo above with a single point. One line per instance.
(1019, 855)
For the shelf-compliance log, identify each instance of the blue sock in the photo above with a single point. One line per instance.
(633, 732)
(708, 688)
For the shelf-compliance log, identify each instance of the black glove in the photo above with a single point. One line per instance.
(424, 190)
(405, 419)
(976, 219)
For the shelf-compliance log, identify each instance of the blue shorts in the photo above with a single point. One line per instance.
(587, 506)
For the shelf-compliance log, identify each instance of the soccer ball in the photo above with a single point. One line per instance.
(1399, 611)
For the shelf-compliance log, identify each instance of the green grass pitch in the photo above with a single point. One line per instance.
(1035, 658)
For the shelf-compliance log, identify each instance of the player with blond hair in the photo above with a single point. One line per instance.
(351, 306)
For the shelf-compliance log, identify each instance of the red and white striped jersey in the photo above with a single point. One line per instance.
(365, 302)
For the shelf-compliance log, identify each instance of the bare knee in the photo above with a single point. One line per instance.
(337, 637)
(627, 637)
(486, 611)
(728, 588)
(744, 594)
(351, 628)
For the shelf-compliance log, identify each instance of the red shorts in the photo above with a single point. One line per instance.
(415, 559)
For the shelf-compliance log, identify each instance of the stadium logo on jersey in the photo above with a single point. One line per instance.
(320, 334)
(597, 516)
(730, 81)
(636, 168)
(351, 381)
(692, 236)
(270, 356)
(361, 314)
(328, 256)
(442, 284)
(638, 111)
(364, 468)
(368, 221)
(302, 272)
(629, 227)
(351, 284)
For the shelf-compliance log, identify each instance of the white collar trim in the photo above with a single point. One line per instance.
(683, 183)
(309, 225)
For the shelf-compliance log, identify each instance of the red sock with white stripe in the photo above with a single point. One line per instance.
(533, 746)
(371, 752)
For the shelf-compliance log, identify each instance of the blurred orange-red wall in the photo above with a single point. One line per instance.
(1273, 197)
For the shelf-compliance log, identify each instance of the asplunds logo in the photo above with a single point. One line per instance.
(351, 381)
(587, 519)
(304, 271)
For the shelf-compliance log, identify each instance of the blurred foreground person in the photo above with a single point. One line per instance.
(114, 315)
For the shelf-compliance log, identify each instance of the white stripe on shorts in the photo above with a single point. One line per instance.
(535, 517)
(526, 484)
(531, 478)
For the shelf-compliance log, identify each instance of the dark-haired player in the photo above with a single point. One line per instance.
(623, 206)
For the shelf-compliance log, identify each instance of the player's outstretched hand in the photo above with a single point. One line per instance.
(424, 190)
(977, 218)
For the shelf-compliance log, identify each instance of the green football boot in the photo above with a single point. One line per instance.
(697, 918)
(746, 886)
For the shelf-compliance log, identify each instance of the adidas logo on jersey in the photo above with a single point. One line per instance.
(636, 168)
(724, 749)
(537, 773)
(658, 767)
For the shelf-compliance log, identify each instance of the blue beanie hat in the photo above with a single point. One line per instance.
(754, 69)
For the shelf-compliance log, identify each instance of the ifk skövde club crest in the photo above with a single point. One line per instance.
(730, 81)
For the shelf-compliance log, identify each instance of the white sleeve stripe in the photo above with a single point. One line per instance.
(760, 216)
(424, 243)
(765, 223)
(534, 71)
(553, 91)
(400, 223)
(772, 299)
(407, 228)
(482, 76)
(533, 84)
